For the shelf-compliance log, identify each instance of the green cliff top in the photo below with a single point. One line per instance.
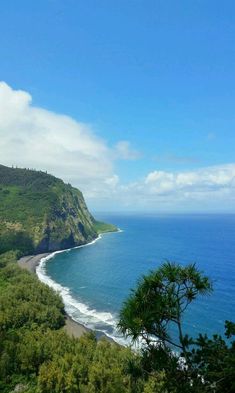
(40, 213)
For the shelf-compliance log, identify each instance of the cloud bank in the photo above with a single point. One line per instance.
(200, 181)
(204, 190)
(37, 138)
(41, 139)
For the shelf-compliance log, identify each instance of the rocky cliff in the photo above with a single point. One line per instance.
(40, 213)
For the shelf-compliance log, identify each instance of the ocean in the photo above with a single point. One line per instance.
(95, 280)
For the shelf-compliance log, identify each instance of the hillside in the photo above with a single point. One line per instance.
(40, 213)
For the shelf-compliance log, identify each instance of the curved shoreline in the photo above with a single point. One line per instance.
(73, 328)
(35, 264)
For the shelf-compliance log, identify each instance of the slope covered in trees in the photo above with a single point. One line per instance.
(37, 356)
(40, 213)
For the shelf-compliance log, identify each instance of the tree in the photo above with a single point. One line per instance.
(214, 359)
(159, 302)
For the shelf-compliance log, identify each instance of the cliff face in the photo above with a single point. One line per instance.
(40, 213)
(67, 223)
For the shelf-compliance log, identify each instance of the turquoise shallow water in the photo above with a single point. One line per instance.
(94, 280)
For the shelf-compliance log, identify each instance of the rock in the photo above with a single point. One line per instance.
(20, 388)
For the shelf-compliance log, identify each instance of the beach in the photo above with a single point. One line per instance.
(30, 262)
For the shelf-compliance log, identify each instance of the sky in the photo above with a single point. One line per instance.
(133, 102)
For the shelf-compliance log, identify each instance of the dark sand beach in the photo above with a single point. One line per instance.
(30, 262)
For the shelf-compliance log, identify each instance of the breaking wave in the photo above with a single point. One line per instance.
(103, 322)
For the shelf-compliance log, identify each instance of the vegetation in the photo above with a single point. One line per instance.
(159, 301)
(103, 227)
(39, 213)
(38, 356)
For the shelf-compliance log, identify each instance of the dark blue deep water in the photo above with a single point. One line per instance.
(95, 280)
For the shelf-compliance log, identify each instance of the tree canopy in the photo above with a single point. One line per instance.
(160, 300)
(37, 356)
(158, 304)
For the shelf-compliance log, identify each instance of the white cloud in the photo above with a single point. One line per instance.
(125, 152)
(205, 179)
(112, 181)
(41, 139)
(38, 138)
(205, 188)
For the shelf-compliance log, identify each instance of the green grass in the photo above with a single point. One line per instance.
(102, 227)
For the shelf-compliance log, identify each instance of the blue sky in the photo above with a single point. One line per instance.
(152, 81)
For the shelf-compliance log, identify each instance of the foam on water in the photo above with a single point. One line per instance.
(113, 266)
(103, 322)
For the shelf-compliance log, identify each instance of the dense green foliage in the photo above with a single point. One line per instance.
(25, 178)
(157, 304)
(39, 213)
(36, 354)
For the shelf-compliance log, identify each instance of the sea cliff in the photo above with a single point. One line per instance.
(40, 213)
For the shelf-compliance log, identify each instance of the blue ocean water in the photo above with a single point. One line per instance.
(95, 280)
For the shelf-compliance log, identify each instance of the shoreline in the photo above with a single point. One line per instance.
(30, 263)
(73, 328)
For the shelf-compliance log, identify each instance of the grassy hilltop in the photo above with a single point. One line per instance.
(40, 213)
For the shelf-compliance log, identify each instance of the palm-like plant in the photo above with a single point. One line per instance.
(159, 302)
